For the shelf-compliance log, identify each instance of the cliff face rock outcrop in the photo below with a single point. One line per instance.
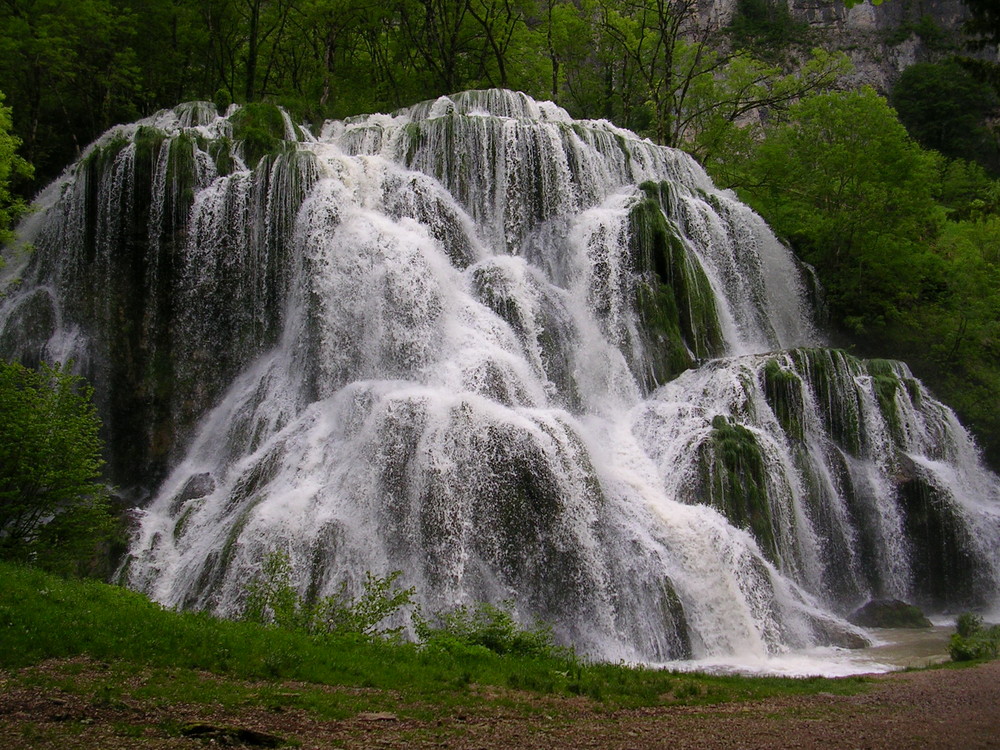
(881, 40)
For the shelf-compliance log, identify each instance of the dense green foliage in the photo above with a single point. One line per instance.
(72, 68)
(53, 506)
(489, 627)
(44, 617)
(272, 600)
(903, 239)
(984, 20)
(843, 182)
(944, 108)
(973, 640)
(12, 167)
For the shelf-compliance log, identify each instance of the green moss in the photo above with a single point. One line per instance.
(414, 140)
(658, 312)
(182, 522)
(221, 151)
(100, 159)
(830, 372)
(735, 477)
(783, 391)
(673, 296)
(148, 141)
(626, 151)
(222, 100)
(260, 127)
(661, 193)
(182, 177)
(674, 620)
(886, 387)
(944, 560)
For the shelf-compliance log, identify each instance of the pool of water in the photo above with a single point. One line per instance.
(892, 649)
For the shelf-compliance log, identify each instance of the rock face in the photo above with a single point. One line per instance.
(889, 613)
(881, 40)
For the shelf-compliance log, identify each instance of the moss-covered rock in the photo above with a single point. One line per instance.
(950, 572)
(829, 373)
(673, 297)
(889, 613)
(675, 624)
(28, 328)
(783, 392)
(260, 128)
(734, 480)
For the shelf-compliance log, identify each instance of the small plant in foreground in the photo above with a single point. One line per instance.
(491, 627)
(272, 600)
(973, 640)
(54, 508)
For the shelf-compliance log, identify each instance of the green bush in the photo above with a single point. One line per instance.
(972, 640)
(271, 599)
(488, 627)
(54, 508)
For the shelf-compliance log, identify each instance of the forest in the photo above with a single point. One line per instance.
(891, 196)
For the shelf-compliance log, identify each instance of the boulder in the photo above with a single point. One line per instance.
(889, 613)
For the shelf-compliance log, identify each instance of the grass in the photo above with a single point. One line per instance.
(169, 657)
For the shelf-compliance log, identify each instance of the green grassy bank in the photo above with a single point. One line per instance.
(44, 617)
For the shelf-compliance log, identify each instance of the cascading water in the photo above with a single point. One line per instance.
(516, 356)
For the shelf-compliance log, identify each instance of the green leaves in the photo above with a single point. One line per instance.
(12, 166)
(272, 599)
(972, 640)
(490, 627)
(843, 182)
(53, 507)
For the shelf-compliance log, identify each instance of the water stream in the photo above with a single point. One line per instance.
(516, 356)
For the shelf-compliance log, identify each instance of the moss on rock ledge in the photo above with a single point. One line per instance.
(260, 127)
(673, 296)
(734, 477)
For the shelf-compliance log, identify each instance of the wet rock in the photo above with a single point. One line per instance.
(197, 486)
(889, 613)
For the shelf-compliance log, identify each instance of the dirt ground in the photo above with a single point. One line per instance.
(941, 708)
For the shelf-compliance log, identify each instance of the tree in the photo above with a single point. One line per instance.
(12, 166)
(70, 70)
(664, 43)
(984, 21)
(721, 111)
(943, 107)
(841, 179)
(54, 509)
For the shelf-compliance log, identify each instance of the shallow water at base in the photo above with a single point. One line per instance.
(892, 649)
(911, 647)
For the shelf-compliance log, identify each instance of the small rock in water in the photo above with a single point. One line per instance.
(197, 486)
(889, 613)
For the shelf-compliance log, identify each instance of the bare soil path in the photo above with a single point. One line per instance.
(940, 708)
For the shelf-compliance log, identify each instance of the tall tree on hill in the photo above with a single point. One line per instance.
(70, 71)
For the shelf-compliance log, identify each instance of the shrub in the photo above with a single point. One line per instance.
(972, 640)
(271, 599)
(54, 508)
(489, 627)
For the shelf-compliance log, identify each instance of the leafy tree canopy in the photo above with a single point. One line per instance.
(984, 20)
(943, 107)
(12, 167)
(54, 510)
(842, 180)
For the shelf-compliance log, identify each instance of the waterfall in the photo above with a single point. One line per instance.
(516, 356)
